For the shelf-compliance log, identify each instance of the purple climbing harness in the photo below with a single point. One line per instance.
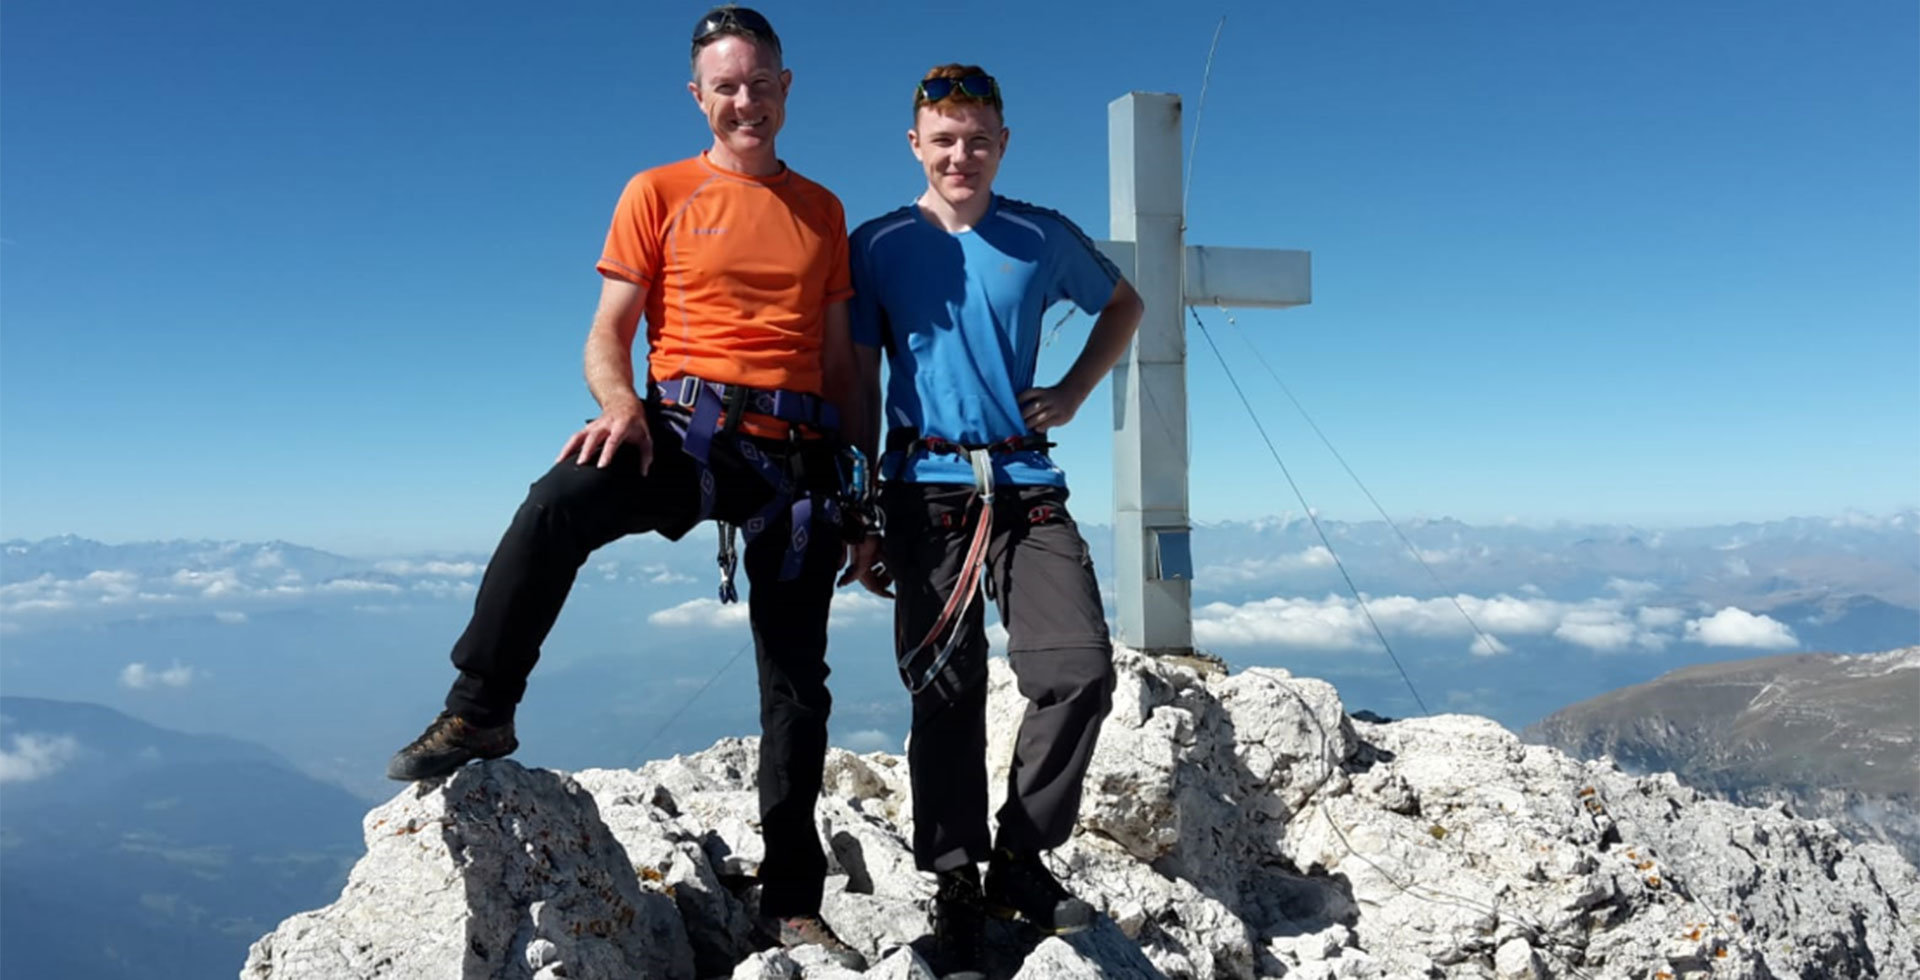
(714, 411)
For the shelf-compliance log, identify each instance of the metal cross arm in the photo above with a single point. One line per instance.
(1152, 529)
(1271, 278)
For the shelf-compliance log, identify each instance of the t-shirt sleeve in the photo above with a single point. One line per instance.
(633, 241)
(868, 320)
(1082, 273)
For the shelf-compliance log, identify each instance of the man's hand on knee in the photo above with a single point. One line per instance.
(619, 422)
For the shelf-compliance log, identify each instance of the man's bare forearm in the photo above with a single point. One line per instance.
(609, 367)
(609, 353)
(1107, 342)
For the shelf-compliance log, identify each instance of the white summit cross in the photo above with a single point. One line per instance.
(1151, 530)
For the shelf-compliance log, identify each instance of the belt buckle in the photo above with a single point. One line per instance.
(689, 391)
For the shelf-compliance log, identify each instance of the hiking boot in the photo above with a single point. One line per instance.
(811, 930)
(1020, 887)
(447, 744)
(959, 925)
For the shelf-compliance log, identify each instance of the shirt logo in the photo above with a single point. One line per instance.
(707, 231)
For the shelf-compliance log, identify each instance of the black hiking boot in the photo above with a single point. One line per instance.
(1020, 887)
(811, 930)
(959, 926)
(447, 744)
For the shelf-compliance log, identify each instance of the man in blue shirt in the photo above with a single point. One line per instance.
(953, 288)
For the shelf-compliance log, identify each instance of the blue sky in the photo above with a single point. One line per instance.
(322, 272)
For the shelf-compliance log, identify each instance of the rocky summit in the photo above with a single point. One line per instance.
(1235, 825)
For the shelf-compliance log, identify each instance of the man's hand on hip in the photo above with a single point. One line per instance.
(1050, 408)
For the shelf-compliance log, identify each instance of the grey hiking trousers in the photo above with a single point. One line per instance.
(1042, 579)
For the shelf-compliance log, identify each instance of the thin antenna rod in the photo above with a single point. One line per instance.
(1193, 146)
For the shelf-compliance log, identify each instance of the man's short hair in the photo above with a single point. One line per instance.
(733, 20)
(954, 71)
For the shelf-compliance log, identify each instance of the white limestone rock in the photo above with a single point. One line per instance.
(496, 871)
(1233, 826)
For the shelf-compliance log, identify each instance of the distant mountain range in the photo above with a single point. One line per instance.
(1829, 736)
(1760, 566)
(193, 634)
(132, 851)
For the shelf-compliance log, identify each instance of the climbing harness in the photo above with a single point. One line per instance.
(944, 636)
(709, 410)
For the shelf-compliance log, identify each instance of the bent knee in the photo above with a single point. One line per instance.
(564, 486)
(1055, 674)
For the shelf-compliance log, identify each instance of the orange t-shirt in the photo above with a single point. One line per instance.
(739, 271)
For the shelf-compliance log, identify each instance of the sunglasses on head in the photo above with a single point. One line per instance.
(732, 20)
(977, 86)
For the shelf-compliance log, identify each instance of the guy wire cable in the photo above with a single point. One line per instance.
(1304, 506)
(688, 703)
(1486, 641)
(1436, 896)
(1413, 890)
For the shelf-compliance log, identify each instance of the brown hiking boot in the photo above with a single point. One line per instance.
(811, 930)
(447, 744)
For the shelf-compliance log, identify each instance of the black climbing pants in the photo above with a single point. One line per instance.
(573, 510)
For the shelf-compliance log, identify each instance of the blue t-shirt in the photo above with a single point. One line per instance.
(960, 318)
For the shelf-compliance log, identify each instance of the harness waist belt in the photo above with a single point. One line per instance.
(791, 407)
(910, 441)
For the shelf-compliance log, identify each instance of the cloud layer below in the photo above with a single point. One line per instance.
(1611, 624)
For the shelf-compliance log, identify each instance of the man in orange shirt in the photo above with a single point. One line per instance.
(740, 267)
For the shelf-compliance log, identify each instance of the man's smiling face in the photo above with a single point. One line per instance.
(742, 89)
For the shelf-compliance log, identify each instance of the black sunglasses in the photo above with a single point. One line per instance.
(734, 20)
(977, 85)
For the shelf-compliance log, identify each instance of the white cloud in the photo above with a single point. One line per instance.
(230, 617)
(34, 756)
(219, 582)
(1329, 624)
(1660, 617)
(140, 677)
(1738, 567)
(1735, 627)
(453, 569)
(666, 575)
(357, 585)
(1487, 645)
(446, 588)
(869, 740)
(1253, 569)
(1630, 588)
(1506, 614)
(1604, 630)
(1338, 623)
(858, 605)
(701, 613)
